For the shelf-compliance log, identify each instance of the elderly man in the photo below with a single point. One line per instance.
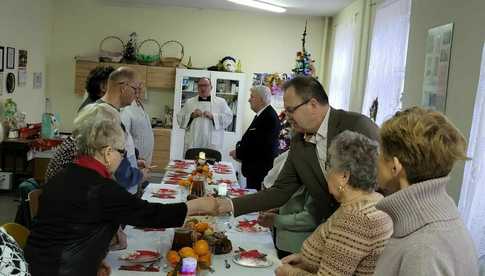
(204, 119)
(259, 145)
(306, 104)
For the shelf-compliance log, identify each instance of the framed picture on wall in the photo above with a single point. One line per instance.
(2, 49)
(437, 66)
(10, 58)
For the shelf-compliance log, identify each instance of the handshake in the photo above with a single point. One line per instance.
(209, 206)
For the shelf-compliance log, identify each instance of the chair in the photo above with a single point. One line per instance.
(18, 232)
(210, 154)
(34, 202)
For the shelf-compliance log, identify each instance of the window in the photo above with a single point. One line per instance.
(342, 64)
(387, 62)
(472, 196)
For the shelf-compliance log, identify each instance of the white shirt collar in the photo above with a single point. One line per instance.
(322, 130)
(261, 111)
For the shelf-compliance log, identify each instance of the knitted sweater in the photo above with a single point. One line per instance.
(349, 242)
(429, 236)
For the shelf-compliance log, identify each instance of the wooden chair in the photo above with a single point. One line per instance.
(34, 202)
(18, 232)
(210, 154)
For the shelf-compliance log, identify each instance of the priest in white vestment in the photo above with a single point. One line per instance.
(204, 118)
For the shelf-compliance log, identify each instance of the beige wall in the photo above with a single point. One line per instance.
(25, 24)
(263, 42)
(468, 39)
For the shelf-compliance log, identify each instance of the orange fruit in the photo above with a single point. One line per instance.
(187, 252)
(201, 247)
(190, 178)
(205, 260)
(201, 227)
(173, 257)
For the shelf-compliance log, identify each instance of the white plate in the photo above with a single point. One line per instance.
(247, 262)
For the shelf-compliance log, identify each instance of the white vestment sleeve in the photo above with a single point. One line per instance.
(183, 116)
(223, 116)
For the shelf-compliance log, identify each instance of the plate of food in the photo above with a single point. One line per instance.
(164, 193)
(251, 226)
(229, 182)
(140, 256)
(237, 192)
(251, 258)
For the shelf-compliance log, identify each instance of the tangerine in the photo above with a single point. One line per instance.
(187, 252)
(173, 257)
(205, 260)
(201, 247)
(201, 227)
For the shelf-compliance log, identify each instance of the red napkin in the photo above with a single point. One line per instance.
(252, 254)
(139, 267)
(247, 223)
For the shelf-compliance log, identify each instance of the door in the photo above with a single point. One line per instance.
(185, 88)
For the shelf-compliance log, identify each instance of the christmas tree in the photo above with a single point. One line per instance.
(304, 63)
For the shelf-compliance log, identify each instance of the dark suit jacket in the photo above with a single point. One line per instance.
(302, 168)
(79, 212)
(259, 145)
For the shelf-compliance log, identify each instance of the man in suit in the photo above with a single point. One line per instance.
(259, 145)
(307, 107)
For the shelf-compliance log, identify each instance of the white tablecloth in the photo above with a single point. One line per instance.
(162, 241)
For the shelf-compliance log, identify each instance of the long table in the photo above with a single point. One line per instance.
(161, 241)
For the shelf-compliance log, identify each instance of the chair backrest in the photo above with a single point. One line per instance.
(34, 202)
(18, 232)
(210, 154)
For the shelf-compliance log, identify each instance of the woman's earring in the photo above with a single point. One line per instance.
(340, 188)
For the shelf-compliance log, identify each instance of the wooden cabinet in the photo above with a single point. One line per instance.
(161, 149)
(160, 77)
(152, 76)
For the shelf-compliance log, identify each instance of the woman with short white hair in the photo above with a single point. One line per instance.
(81, 207)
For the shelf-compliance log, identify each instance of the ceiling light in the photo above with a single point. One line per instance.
(259, 5)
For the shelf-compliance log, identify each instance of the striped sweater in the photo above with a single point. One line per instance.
(349, 242)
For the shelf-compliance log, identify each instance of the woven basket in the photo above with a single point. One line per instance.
(171, 61)
(152, 60)
(110, 56)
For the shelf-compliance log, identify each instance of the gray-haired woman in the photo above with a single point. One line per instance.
(352, 239)
(76, 222)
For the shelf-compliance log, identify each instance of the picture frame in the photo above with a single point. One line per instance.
(2, 50)
(437, 66)
(10, 58)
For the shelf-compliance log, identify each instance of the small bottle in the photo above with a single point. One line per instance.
(189, 267)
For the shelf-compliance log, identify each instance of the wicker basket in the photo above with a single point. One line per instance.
(171, 61)
(110, 56)
(152, 60)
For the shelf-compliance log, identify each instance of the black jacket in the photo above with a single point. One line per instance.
(259, 145)
(79, 212)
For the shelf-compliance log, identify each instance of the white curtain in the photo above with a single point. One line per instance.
(472, 196)
(341, 74)
(387, 64)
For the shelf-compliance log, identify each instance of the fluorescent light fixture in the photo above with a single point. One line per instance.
(259, 5)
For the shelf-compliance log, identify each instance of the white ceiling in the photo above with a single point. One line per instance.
(294, 7)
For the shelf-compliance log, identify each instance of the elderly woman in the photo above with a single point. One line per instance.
(76, 222)
(418, 150)
(351, 240)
